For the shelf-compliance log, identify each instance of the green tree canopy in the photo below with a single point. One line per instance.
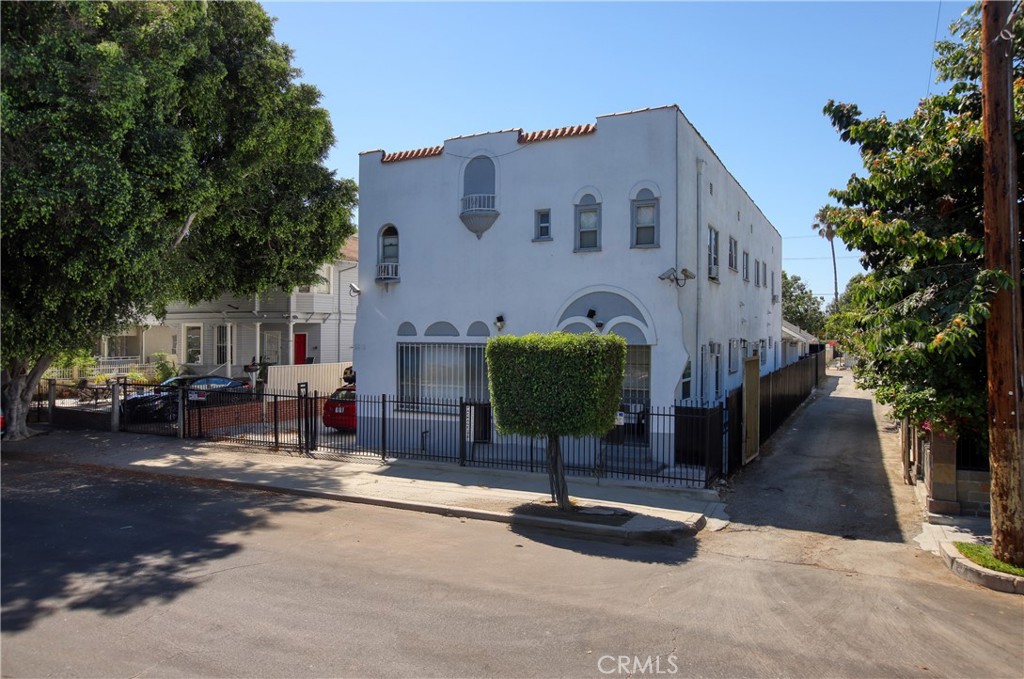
(553, 385)
(152, 152)
(800, 306)
(917, 319)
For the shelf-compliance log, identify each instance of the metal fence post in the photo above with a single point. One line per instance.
(52, 399)
(383, 426)
(277, 430)
(182, 395)
(462, 432)
(115, 411)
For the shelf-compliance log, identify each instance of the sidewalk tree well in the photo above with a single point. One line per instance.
(152, 152)
(917, 319)
(554, 385)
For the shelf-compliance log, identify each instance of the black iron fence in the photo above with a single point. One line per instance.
(690, 444)
(681, 444)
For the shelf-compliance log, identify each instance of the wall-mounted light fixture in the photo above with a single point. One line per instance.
(499, 322)
(599, 324)
(679, 278)
(591, 314)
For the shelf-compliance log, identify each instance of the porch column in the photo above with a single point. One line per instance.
(259, 356)
(290, 349)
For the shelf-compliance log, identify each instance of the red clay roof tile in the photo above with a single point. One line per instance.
(409, 155)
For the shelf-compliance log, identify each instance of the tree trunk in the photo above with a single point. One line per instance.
(556, 475)
(17, 396)
(835, 272)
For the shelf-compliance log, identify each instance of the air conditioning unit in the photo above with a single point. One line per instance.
(713, 271)
(775, 299)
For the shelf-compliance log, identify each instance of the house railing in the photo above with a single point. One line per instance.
(478, 202)
(387, 271)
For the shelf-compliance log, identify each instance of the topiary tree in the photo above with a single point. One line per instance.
(554, 385)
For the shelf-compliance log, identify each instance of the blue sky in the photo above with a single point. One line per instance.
(751, 76)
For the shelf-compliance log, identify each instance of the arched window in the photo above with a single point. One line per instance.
(588, 224)
(387, 256)
(479, 204)
(645, 220)
(479, 178)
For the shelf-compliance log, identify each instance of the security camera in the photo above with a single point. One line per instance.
(353, 289)
(668, 275)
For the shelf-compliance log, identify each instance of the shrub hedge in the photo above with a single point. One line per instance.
(556, 384)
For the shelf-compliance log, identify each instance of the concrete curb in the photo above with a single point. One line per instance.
(660, 531)
(979, 575)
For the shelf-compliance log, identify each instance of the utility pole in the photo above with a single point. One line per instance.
(1003, 341)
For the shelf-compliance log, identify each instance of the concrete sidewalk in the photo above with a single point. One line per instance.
(609, 509)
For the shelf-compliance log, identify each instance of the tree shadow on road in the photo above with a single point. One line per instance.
(112, 542)
(673, 554)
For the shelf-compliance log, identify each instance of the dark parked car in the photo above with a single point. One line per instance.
(161, 403)
(340, 409)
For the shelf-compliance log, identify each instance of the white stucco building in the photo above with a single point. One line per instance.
(629, 225)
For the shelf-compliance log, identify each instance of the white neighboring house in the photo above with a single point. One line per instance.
(630, 225)
(311, 325)
(796, 343)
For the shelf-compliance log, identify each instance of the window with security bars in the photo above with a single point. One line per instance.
(636, 387)
(429, 372)
(224, 348)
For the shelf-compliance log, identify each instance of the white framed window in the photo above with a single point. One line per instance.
(686, 382)
(429, 372)
(542, 225)
(715, 365)
(270, 346)
(734, 355)
(712, 253)
(193, 344)
(764, 274)
(389, 245)
(644, 220)
(746, 266)
(588, 224)
(757, 273)
(773, 284)
(734, 247)
(224, 341)
(763, 351)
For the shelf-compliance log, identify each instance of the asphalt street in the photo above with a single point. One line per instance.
(116, 576)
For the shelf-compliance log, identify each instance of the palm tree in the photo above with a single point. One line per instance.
(828, 232)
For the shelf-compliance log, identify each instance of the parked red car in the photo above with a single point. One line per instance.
(340, 409)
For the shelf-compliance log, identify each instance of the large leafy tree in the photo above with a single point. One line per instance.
(800, 306)
(917, 320)
(151, 152)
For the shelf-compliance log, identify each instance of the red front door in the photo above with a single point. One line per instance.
(300, 348)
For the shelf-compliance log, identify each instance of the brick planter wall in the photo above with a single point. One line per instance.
(206, 419)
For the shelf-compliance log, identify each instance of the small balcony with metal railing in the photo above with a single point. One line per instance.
(387, 272)
(479, 212)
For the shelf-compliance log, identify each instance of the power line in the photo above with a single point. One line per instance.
(931, 62)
